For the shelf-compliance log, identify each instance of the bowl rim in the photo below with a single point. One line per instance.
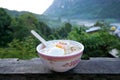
(72, 54)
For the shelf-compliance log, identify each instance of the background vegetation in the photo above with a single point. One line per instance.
(16, 40)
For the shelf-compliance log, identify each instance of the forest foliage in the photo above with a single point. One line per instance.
(16, 40)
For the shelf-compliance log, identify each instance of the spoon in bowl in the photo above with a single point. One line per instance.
(39, 37)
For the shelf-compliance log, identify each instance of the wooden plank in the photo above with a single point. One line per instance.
(22, 67)
(35, 66)
(98, 67)
(9, 59)
(104, 59)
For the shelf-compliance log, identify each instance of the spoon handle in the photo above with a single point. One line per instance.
(38, 37)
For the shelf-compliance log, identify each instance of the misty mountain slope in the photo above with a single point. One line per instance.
(85, 9)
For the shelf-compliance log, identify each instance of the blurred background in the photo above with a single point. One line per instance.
(95, 23)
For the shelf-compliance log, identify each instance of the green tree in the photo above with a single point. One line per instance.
(23, 24)
(44, 30)
(102, 23)
(5, 30)
(62, 32)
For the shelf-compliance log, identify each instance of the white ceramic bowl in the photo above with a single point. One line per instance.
(61, 63)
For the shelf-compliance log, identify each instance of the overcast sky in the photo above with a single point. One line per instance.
(35, 6)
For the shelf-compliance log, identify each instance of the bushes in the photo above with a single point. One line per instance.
(96, 44)
(20, 49)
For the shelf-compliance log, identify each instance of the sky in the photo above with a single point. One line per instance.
(34, 6)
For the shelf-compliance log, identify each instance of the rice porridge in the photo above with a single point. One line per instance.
(60, 48)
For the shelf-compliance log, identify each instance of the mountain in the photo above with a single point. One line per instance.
(15, 13)
(86, 9)
(48, 20)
